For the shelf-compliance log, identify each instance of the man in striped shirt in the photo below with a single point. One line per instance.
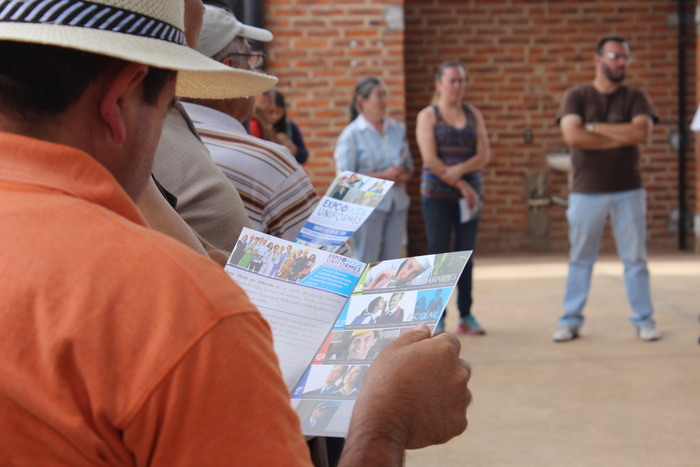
(276, 192)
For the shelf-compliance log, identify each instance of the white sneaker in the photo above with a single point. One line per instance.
(565, 334)
(648, 333)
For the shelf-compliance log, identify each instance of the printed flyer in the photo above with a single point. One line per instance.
(348, 202)
(330, 315)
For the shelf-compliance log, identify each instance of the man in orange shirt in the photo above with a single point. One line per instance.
(120, 345)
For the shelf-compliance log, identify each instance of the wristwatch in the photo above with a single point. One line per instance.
(590, 127)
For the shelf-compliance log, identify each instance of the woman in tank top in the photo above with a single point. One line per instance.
(454, 146)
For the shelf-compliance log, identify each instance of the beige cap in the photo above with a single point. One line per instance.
(220, 27)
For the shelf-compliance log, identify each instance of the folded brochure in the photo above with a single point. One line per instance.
(330, 315)
(349, 201)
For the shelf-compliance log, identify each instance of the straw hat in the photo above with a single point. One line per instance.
(142, 31)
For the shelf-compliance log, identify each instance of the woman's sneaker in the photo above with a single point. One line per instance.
(469, 325)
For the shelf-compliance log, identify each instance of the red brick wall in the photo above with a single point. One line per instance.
(321, 49)
(520, 56)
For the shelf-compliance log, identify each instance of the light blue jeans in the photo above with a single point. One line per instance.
(586, 215)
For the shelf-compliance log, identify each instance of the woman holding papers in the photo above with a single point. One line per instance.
(454, 146)
(375, 144)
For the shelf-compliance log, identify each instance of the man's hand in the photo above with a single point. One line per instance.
(415, 394)
(605, 135)
(638, 131)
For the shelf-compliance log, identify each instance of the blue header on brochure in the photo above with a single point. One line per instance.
(327, 230)
(330, 279)
(323, 236)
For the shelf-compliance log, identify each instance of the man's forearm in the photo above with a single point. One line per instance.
(591, 141)
(371, 451)
(627, 134)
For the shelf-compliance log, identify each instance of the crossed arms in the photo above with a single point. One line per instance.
(605, 135)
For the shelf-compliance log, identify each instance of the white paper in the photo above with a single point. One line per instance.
(465, 212)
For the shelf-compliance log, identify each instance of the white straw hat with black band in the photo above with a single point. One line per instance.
(143, 31)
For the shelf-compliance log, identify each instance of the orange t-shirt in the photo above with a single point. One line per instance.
(119, 345)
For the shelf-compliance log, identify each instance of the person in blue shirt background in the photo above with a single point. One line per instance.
(374, 144)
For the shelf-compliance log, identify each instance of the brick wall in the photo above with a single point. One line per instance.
(321, 49)
(520, 56)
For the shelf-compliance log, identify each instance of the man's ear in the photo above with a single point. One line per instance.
(120, 88)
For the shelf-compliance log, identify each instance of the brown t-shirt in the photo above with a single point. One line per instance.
(608, 170)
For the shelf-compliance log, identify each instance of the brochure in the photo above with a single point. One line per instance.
(330, 315)
(348, 202)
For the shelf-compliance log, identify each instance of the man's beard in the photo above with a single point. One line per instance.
(615, 78)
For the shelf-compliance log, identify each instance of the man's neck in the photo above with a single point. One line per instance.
(604, 86)
(234, 108)
(50, 131)
(10, 125)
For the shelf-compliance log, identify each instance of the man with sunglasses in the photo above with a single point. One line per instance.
(604, 123)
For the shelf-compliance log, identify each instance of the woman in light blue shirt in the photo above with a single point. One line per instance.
(374, 144)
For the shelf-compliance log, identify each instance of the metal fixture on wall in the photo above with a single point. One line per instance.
(394, 18)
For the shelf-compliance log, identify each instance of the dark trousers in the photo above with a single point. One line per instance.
(446, 233)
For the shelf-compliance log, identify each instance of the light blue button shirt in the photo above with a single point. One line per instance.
(362, 149)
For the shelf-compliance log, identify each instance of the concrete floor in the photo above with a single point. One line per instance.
(604, 399)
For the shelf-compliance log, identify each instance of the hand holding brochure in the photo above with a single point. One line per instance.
(330, 315)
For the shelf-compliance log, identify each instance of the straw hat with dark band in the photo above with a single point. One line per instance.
(143, 31)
